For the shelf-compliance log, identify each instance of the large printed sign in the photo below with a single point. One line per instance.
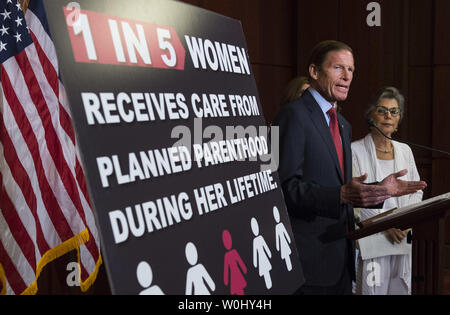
(175, 148)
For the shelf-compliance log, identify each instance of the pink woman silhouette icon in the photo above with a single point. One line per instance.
(233, 267)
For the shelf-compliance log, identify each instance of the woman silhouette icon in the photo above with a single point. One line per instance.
(232, 274)
(144, 275)
(197, 277)
(261, 254)
(282, 239)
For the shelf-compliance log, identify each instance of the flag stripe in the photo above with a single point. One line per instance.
(52, 78)
(65, 119)
(19, 232)
(51, 136)
(49, 71)
(22, 179)
(43, 102)
(91, 262)
(46, 50)
(82, 181)
(55, 155)
(15, 281)
(42, 36)
(78, 167)
(50, 201)
(42, 217)
(13, 249)
(23, 241)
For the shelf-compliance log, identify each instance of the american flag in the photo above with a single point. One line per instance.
(44, 204)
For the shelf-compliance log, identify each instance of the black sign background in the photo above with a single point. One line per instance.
(164, 250)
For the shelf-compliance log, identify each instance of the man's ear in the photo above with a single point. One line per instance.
(313, 71)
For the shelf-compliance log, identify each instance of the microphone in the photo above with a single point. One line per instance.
(373, 124)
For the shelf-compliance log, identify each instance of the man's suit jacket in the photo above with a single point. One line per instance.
(311, 181)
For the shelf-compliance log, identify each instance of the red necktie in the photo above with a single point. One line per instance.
(336, 137)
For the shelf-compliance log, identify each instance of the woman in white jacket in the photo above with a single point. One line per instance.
(384, 260)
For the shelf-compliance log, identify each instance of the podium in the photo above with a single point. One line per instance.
(430, 221)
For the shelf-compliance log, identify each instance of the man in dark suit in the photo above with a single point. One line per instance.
(315, 170)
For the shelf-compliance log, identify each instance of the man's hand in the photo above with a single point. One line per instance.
(397, 187)
(361, 195)
(396, 235)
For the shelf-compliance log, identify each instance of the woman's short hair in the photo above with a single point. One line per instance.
(294, 89)
(388, 92)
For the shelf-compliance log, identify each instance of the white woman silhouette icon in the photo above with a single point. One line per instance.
(197, 278)
(261, 254)
(282, 239)
(144, 275)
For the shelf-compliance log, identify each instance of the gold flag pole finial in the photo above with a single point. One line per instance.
(24, 5)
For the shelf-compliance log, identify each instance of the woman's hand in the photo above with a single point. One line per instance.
(396, 235)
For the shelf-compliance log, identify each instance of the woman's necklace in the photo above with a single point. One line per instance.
(385, 151)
